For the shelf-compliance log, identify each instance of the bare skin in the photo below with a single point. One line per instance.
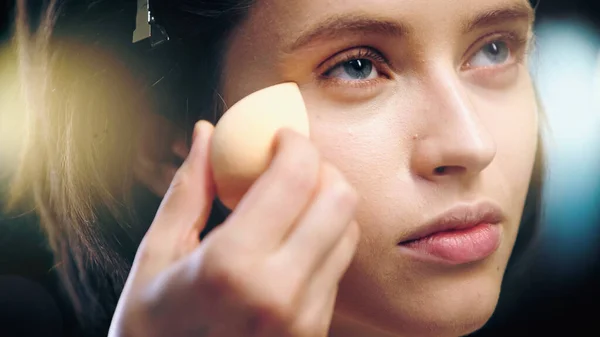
(442, 84)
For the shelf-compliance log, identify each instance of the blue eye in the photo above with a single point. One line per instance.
(493, 53)
(356, 69)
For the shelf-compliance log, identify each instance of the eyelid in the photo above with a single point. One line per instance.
(354, 53)
(515, 42)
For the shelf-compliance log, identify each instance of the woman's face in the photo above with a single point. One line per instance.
(425, 106)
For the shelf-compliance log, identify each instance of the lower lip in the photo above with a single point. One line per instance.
(457, 246)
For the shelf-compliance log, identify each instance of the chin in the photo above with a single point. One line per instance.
(465, 310)
(425, 302)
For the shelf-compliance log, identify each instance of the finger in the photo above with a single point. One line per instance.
(320, 228)
(269, 209)
(186, 206)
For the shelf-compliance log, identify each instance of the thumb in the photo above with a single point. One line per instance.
(186, 206)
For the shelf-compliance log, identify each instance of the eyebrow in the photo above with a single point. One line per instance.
(512, 12)
(337, 26)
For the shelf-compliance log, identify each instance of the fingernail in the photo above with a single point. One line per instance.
(199, 135)
(195, 132)
(194, 146)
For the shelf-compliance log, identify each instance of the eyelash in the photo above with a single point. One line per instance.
(380, 64)
(516, 42)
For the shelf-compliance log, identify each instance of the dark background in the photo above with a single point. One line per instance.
(558, 291)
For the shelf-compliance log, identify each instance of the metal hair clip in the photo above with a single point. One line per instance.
(146, 27)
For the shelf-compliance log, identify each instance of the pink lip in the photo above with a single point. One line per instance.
(464, 234)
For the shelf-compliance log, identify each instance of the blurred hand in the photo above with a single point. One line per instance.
(273, 267)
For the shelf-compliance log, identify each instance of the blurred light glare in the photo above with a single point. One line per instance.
(12, 113)
(565, 68)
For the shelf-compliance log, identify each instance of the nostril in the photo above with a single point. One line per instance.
(445, 170)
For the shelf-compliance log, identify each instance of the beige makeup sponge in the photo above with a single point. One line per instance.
(242, 142)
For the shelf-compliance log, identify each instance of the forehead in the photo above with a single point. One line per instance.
(283, 20)
(309, 10)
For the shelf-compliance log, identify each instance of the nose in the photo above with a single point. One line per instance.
(452, 141)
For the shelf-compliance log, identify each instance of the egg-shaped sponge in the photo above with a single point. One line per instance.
(243, 139)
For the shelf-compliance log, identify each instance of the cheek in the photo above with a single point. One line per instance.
(364, 152)
(514, 125)
(367, 142)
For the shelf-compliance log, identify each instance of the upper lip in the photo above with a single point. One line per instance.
(459, 217)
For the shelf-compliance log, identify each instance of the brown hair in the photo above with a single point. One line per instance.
(86, 88)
